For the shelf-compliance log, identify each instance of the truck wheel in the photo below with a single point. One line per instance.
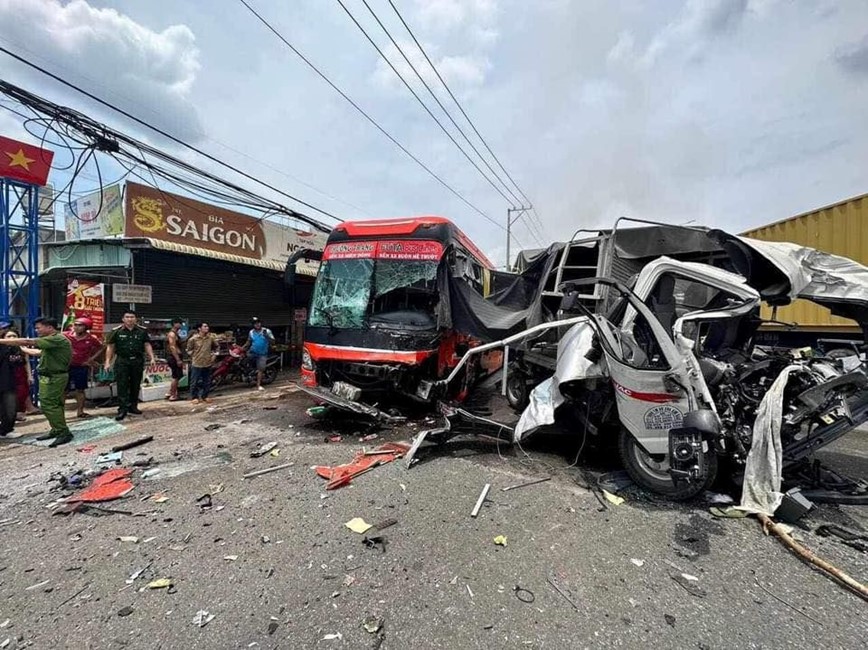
(517, 391)
(652, 472)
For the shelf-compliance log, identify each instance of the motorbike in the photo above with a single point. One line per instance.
(236, 367)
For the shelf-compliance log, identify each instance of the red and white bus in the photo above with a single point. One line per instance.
(379, 325)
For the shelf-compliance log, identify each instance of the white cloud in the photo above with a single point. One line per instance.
(460, 72)
(449, 14)
(149, 73)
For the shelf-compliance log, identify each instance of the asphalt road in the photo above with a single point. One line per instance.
(274, 563)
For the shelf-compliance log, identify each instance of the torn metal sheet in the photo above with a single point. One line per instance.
(325, 395)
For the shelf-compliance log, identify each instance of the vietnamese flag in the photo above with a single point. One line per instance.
(24, 162)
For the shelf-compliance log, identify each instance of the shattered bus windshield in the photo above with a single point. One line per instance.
(349, 292)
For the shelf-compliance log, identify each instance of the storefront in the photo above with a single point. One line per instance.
(185, 259)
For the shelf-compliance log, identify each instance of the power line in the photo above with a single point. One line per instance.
(457, 103)
(370, 119)
(514, 199)
(464, 113)
(176, 140)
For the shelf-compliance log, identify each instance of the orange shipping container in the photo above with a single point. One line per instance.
(840, 229)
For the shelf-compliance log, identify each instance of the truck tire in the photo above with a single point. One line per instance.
(651, 472)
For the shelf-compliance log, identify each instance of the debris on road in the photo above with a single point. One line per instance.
(133, 443)
(369, 437)
(529, 483)
(135, 575)
(113, 457)
(614, 482)
(614, 499)
(128, 538)
(848, 537)
(550, 579)
(336, 635)
(638, 563)
(480, 500)
(719, 499)
(808, 556)
(202, 618)
(358, 525)
(125, 611)
(213, 427)
(500, 540)
(160, 583)
(148, 473)
(267, 470)
(263, 449)
(335, 438)
(689, 583)
(732, 512)
(372, 624)
(341, 475)
(524, 595)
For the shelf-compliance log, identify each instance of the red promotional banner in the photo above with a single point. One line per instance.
(24, 162)
(398, 249)
(85, 299)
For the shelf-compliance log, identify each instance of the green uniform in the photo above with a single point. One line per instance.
(53, 369)
(129, 363)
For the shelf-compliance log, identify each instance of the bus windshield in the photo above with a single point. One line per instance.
(358, 293)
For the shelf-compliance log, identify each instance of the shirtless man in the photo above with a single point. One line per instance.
(173, 348)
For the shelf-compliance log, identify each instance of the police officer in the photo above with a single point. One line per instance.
(127, 345)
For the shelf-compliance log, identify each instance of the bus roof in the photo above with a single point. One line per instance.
(436, 228)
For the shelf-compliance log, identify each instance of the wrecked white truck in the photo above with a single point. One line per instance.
(671, 373)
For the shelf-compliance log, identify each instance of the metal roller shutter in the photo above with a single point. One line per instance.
(218, 292)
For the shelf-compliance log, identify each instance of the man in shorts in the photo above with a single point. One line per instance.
(259, 341)
(85, 349)
(173, 353)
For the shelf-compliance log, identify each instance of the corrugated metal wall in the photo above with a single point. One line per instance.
(841, 229)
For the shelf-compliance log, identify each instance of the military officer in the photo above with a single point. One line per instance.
(127, 346)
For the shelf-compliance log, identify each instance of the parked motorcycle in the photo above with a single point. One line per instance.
(236, 367)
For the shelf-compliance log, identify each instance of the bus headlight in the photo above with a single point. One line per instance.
(306, 360)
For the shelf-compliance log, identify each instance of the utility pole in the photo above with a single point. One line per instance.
(510, 220)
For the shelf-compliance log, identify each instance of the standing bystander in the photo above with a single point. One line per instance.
(259, 340)
(8, 398)
(202, 348)
(126, 347)
(173, 353)
(85, 349)
(55, 353)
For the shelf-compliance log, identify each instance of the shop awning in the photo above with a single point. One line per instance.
(185, 249)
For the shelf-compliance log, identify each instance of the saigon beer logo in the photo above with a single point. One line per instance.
(148, 215)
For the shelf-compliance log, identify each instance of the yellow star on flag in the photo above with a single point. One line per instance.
(19, 159)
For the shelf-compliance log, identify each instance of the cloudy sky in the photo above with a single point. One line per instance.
(727, 112)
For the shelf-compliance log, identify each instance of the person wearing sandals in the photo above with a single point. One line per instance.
(85, 349)
(173, 358)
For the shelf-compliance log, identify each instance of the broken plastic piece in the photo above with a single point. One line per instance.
(263, 449)
(614, 499)
(128, 538)
(480, 500)
(358, 525)
(372, 624)
(332, 637)
(160, 583)
(500, 540)
(113, 457)
(202, 618)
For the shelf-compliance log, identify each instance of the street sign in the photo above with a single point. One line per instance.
(132, 293)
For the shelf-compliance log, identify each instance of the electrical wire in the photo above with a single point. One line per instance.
(515, 200)
(99, 129)
(370, 119)
(457, 103)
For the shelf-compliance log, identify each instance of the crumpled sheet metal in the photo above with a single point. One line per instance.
(762, 473)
